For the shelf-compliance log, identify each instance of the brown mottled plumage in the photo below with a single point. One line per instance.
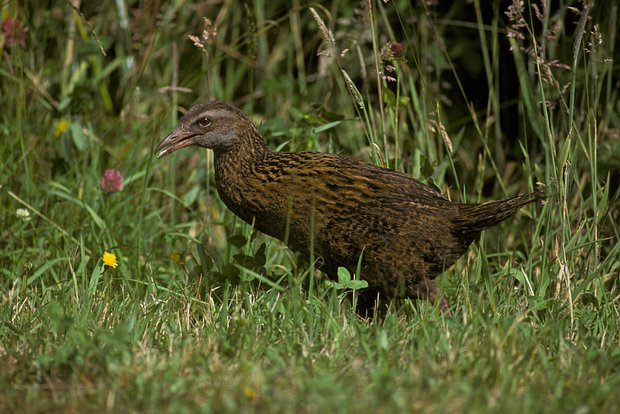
(408, 232)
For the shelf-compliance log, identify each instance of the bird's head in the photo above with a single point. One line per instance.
(214, 125)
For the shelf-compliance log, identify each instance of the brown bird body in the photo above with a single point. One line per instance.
(406, 231)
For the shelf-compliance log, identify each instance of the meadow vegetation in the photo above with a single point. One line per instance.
(149, 295)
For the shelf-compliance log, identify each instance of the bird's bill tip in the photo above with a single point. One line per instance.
(176, 140)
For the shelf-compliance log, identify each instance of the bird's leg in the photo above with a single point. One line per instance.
(369, 301)
(444, 306)
(427, 289)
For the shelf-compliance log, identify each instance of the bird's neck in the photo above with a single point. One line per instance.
(235, 166)
(248, 149)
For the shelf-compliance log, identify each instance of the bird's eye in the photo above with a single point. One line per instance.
(205, 122)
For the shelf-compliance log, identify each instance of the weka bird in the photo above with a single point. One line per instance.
(406, 231)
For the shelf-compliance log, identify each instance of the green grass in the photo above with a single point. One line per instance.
(203, 314)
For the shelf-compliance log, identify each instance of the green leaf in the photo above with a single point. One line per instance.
(334, 285)
(345, 281)
(427, 167)
(259, 256)
(238, 240)
(244, 260)
(604, 197)
(344, 276)
(564, 152)
(327, 126)
(191, 196)
(45, 268)
(295, 113)
(357, 284)
(388, 97)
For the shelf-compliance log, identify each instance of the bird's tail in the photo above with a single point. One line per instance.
(477, 217)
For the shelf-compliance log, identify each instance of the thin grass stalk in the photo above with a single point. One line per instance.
(376, 54)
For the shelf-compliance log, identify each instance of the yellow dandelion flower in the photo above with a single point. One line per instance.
(61, 126)
(109, 259)
(249, 393)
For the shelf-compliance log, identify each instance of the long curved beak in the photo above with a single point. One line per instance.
(177, 139)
